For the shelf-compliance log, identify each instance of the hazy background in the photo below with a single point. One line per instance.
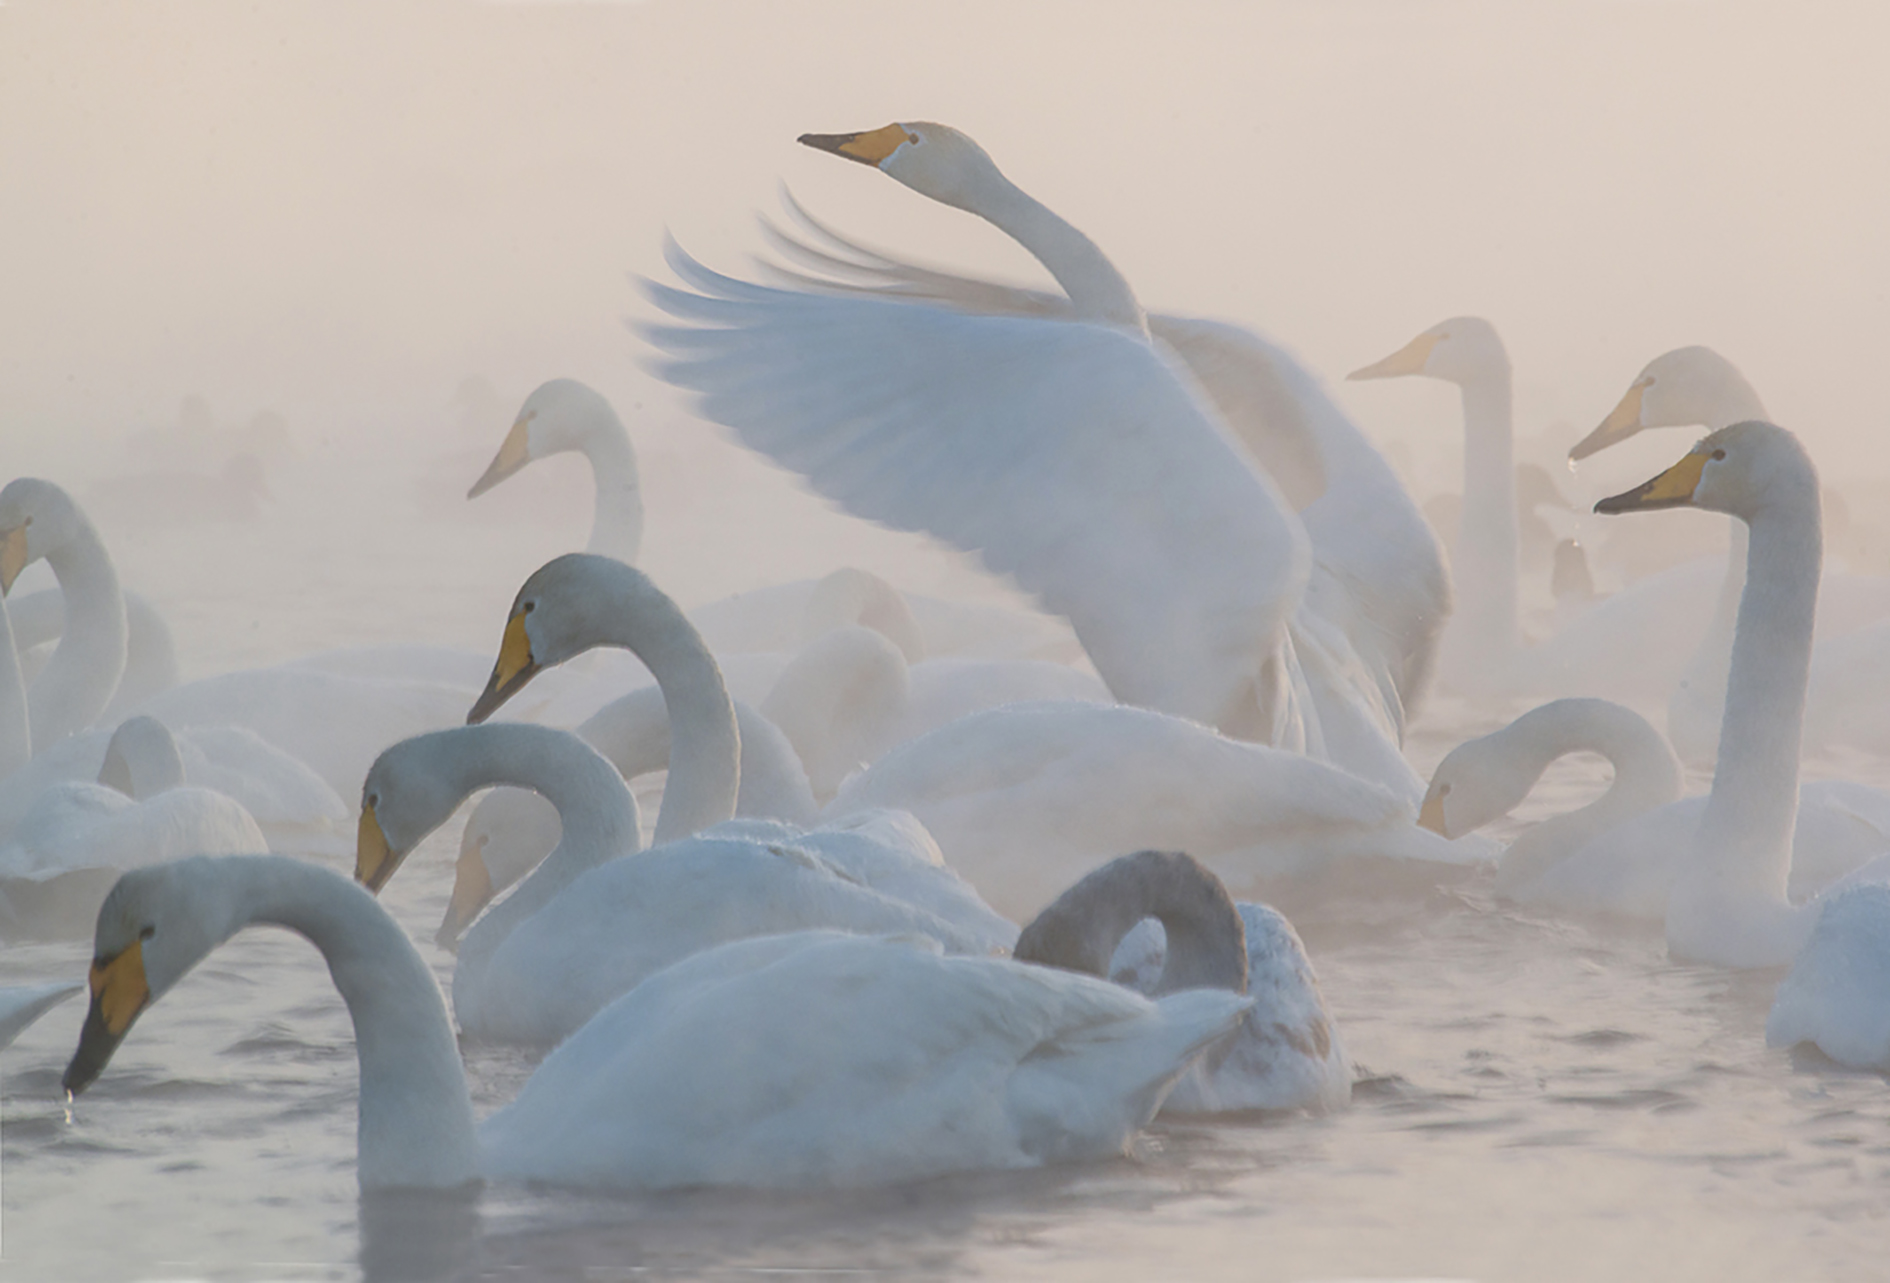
(339, 212)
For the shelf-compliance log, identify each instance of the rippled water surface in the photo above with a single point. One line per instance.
(1540, 1099)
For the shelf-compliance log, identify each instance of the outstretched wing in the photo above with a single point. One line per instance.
(1076, 458)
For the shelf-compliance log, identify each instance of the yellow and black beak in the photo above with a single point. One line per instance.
(1622, 422)
(869, 148)
(13, 557)
(374, 859)
(514, 668)
(1671, 489)
(514, 454)
(1408, 359)
(119, 993)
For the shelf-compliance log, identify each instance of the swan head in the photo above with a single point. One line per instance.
(932, 159)
(559, 415)
(142, 759)
(1478, 781)
(1688, 387)
(409, 791)
(565, 608)
(37, 518)
(508, 834)
(1740, 470)
(154, 926)
(1460, 350)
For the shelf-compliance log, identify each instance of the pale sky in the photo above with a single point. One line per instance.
(339, 210)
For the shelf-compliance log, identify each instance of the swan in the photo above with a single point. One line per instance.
(1286, 1055)
(1696, 386)
(814, 1059)
(1088, 463)
(16, 729)
(1619, 853)
(552, 953)
(1027, 798)
(1728, 903)
(565, 415)
(333, 723)
(63, 856)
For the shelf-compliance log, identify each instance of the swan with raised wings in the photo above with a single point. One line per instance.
(813, 1059)
(1097, 467)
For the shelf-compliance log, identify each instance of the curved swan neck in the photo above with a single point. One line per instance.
(623, 608)
(77, 683)
(633, 732)
(1207, 944)
(1096, 289)
(1487, 539)
(1646, 775)
(617, 518)
(416, 1119)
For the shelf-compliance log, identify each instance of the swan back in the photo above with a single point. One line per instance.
(141, 759)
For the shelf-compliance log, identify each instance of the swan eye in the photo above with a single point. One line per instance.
(528, 608)
(374, 801)
(147, 933)
(1719, 454)
(913, 139)
(1443, 790)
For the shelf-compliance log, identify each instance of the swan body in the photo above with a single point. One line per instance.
(787, 1061)
(16, 729)
(150, 650)
(1160, 922)
(1620, 853)
(562, 416)
(1834, 997)
(1085, 461)
(1026, 798)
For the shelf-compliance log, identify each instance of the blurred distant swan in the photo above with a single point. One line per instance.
(1847, 701)
(565, 415)
(234, 494)
(1620, 853)
(77, 838)
(795, 1061)
(1287, 1053)
(1729, 901)
(333, 722)
(1090, 463)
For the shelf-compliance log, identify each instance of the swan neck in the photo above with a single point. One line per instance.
(617, 517)
(1745, 836)
(1096, 289)
(78, 681)
(1487, 539)
(416, 1119)
(16, 734)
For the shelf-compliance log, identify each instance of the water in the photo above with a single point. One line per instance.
(1541, 1099)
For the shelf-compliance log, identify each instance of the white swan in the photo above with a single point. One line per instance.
(150, 650)
(565, 415)
(1695, 386)
(1081, 459)
(1729, 904)
(1619, 853)
(334, 723)
(77, 838)
(786, 1061)
(16, 728)
(1027, 798)
(1160, 921)
(21, 1005)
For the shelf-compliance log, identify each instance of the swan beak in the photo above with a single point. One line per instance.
(119, 993)
(514, 668)
(868, 148)
(13, 557)
(1622, 422)
(1432, 815)
(472, 891)
(1671, 489)
(374, 859)
(513, 455)
(1408, 359)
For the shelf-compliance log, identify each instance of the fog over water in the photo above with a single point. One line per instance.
(349, 238)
